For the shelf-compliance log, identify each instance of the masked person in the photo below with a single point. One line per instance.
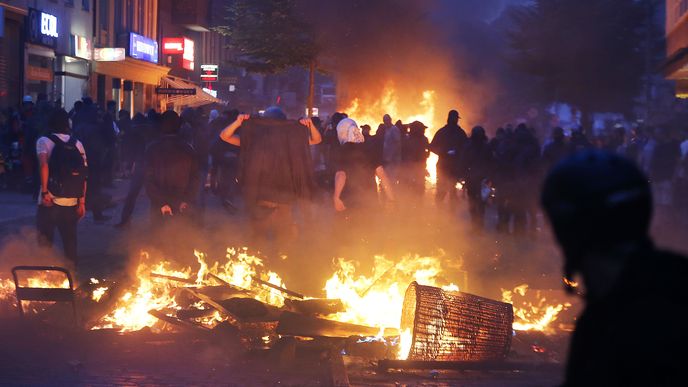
(632, 329)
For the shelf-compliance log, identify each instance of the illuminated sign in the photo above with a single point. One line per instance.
(143, 48)
(42, 28)
(173, 45)
(49, 25)
(109, 54)
(81, 47)
(188, 56)
(209, 72)
(211, 92)
(174, 91)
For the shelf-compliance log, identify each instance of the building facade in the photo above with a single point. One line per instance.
(676, 65)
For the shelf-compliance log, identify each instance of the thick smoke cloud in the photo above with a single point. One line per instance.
(452, 47)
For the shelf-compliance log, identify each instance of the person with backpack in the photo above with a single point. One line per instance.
(63, 170)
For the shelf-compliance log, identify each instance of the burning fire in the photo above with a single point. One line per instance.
(388, 103)
(377, 300)
(157, 284)
(529, 316)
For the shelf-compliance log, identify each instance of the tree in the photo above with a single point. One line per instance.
(587, 53)
(269, 37)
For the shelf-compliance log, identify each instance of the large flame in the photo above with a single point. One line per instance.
(155, 292)
(529, 315)
(371, 113)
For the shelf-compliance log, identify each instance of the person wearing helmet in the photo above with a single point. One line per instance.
(632, 330)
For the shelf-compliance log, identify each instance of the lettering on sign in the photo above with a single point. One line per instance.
(49, 25)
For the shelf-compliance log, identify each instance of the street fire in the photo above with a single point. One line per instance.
(532, 316)
(388, 103)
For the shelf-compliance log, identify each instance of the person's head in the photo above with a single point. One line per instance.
(387, 120)
(188, 115)
(453, 117)
(417, 128)
(139, 119)
(478, 134)
(365, 129)
(500, 133)
(349, 132)
(42, 97)
(27, 102)
(336, 117)
(111, 107)
(78, 105)
(558, 134)
(597, 203)
(214, 114)
(275, 112)
(169, 122)
(58, 122)
(88, 101)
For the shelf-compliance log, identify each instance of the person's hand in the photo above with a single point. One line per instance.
(47, 199)
(166, 210)
(81, 209)
(307, 122)
(339, 205)
(183, 207)
(243, 117)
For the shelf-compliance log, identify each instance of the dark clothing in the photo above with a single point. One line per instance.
(554, 152)
(64, 219)
(276, 165)
(447, 144)
(171, 172)
(635, 336)
(359, 162)
(476, 159)
(664, 161)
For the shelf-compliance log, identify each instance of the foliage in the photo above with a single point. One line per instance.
(589, 53)
(268, 35)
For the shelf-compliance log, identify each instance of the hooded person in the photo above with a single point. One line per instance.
(171, 171)
(276, 168)
(599, 206)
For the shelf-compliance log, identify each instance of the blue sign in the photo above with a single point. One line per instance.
(143, 48)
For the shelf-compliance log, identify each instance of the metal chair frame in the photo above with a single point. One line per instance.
(44, 294)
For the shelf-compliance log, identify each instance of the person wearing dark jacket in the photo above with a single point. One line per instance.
(556, 150)
(447, 144)
(171, 171)
(476, 159)
(414, 155)
(600, 208)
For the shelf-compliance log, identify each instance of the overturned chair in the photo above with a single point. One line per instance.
(43, 293)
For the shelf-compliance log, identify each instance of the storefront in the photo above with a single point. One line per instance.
(72, 71)
(11, 54)
(133, 80)
(39, 54)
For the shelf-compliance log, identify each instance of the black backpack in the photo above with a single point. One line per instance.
(67, 169)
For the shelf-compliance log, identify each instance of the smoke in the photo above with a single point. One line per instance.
(413, 45)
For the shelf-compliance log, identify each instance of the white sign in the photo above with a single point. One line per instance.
(48, 25)
(211, 92)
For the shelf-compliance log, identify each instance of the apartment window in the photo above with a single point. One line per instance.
(86, 5)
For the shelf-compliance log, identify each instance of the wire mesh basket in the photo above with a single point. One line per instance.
(455, 326)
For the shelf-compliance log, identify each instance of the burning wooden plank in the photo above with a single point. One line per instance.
(278, 288)
(321, 306)
(231, 318)
(175, 321)
(295, 324)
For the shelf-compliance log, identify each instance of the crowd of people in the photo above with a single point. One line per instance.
(183, 160)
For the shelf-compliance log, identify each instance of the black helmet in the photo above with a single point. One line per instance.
(596, 200)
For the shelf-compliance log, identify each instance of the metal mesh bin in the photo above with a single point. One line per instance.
(455, 326)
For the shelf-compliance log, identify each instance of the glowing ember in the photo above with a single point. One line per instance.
(529, 316)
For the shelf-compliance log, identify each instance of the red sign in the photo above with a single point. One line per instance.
(172, 45)
(35, 73)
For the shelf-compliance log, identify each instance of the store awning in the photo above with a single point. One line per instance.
(133, 70)
(199, 99)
